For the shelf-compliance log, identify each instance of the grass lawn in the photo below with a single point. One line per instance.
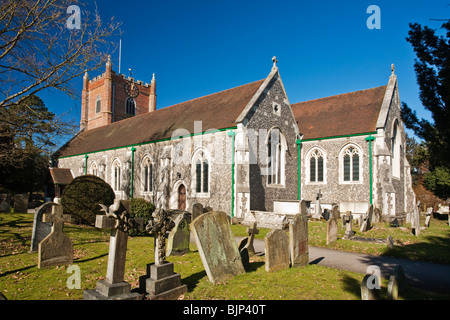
(20, 279)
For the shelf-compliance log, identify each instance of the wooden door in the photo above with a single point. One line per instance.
(182, 197)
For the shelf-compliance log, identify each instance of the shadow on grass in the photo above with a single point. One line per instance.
(17, 270)
(193, 280)
(352, 285)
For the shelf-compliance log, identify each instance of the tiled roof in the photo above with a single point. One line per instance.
(216, 111)
(61, 176)
(344, 114)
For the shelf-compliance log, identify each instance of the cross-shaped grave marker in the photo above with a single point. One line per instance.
(318, 209)
(113, 286)
(56, 248)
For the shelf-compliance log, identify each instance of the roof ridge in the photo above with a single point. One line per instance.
(337, 95)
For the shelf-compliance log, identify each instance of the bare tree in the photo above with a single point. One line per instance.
(47, 43)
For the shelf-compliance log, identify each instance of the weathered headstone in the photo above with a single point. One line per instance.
(415, 220)
(318, 209)
(376, 215)
(298, 240)
(428, 217)
(41, 229)
(217, 246)
(367, 220)
(197, 210)
(179, 238)
(56, 248)
(396, 283)
(161, 283)
(335, 212)
(247, 242)
(5, 203)
(332, 230)
(390, 242)
(266, 220)
(347, 221)
(370, 288)
(113, 287)
(276, 250)
(21, 203)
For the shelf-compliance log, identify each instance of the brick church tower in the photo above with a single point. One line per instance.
(112, 97)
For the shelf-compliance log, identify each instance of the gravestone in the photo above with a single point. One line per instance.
(318, 209)
(367, 220)
(335, 213)
(41, 229)
(298, 241)
(179, 238)
(369, 289)
(207, 209)
(390, 242)
(5, 203)
(217, 246)
(415, 220)
(428, 217)
(21, 203)
(197, 210)
(56, 248)
(161, 282)
(376, 215)
(266, 219)
(396, 283)
(247, 242)
(113, 287)
(276, 244)
(332, 229)
(347, 221)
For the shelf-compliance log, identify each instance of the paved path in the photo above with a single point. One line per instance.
(430, 276)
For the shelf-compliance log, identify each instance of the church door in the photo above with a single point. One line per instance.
(182, 197)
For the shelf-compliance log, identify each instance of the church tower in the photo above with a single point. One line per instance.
(112, 97)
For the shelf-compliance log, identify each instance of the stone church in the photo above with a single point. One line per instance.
(243, 149)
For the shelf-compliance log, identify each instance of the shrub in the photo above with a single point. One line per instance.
(143, 209)
(82, 196)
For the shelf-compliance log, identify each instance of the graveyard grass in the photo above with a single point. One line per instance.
(20, 279)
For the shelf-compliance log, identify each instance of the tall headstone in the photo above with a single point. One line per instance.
(179, 238)
(276, 250)
(21, 203)
(298, 240)
(332, 230)
(369, 289)
(318, 210)
(113, 287)
(161, 283)
(56, 248)
(217, 246)
(367, 220)
(415, 220)
(347, 222)
(41, 229)
(428, 217)
(197, 210)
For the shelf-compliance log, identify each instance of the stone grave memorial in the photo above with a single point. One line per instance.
(276, 248)
(318, 209)
(5, 203)
(161, 282)
(41, 229)
(21, 203)
(415, 220)
(298, 241)
(347, 221)
(247, 242)
(197, 210)
(332, 227)
(366, 220)
(428, 217)
(179, 237)
(113, 287)
(217, 246)
(56, 248)
(266, 219)
(370, 287)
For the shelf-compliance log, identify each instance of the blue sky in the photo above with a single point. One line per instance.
(323, 48)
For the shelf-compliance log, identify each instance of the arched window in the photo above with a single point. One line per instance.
(351, 164)
(94, 169)
(201, 172)
(396, 146)
(98, 104)
(316, 166)
(116, 175)
(276, 149)
(148, 173)
(130, 106)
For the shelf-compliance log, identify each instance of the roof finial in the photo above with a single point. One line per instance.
(153, 79)
(392, 68)
(274, 59)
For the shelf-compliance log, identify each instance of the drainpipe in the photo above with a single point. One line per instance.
(299, 146)
(370, 139)
(133, 149)
(232, 134)
(85, 163)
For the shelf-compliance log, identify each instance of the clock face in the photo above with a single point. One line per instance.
(131, 89)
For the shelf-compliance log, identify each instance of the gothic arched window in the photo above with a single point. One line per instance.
(351, 164)
(130, 107)
(316, 166)
(201, 172)
(98, 104)
(116, 175)
(276, 149)
(148, 173)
